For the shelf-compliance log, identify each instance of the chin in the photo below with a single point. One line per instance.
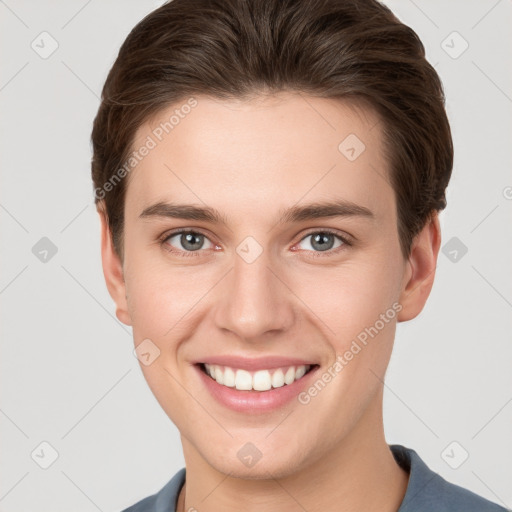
(260, 471)
(281, 465)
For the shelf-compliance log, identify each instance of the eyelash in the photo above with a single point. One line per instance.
(163, 239)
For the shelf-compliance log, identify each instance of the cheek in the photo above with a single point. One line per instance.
(348, 299)
(160, 302)
(160, 295)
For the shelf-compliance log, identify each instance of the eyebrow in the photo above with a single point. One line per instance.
(317, 210)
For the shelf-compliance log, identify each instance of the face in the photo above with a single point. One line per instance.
(268, 277)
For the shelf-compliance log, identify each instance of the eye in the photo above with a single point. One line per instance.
(324, 241)
(186, 241)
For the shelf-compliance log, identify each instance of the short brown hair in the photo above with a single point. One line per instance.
(235, 49)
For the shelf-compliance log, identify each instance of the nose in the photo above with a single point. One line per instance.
(254, 300)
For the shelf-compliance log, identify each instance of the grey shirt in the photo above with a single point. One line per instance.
(426, 491)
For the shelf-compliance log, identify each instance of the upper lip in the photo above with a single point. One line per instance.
(255, 363)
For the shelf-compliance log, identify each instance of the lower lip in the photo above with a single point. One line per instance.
(256, 401)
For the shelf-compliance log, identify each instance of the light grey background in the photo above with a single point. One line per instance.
(68, 374)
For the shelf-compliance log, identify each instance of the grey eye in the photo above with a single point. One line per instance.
(188, 241)
(322, 241)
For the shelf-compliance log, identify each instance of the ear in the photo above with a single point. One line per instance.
(420, 269)
(113, 270)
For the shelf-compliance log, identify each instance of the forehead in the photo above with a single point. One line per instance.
(257, 156)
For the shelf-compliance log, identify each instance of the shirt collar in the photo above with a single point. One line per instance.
(420, 476)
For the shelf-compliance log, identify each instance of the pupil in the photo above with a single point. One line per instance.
(188, 241)
(323, 240)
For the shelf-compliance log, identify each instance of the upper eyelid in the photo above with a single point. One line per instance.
(182, 231)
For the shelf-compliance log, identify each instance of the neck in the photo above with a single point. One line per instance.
(358, 473)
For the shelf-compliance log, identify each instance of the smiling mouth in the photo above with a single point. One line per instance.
(260, 380)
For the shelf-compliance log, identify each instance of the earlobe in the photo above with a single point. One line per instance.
(113, 270)
(420, 271)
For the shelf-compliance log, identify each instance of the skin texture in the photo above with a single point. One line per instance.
(250, 160)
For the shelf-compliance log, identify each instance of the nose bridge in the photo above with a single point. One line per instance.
(253, 298)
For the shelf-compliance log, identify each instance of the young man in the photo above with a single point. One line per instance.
(268, 175)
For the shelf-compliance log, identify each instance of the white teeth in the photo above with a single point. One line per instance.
(301, 370)
(219, 375)
(261, 380)
(229, 377)
(243, 380)
(290, 375)
(278, 379)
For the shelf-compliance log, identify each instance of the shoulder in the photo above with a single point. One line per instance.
(453, 497)
(164, 500)
(429, 491)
